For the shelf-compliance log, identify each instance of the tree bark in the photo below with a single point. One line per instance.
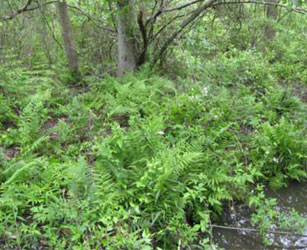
(271, 13)
(69, 45)
(126, 42)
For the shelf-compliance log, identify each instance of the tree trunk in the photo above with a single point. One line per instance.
(70, 49)
(271, 13)
(126, 40)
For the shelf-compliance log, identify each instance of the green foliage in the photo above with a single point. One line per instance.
(280, 151)
(7, 115)
(149, 162)
(288, 54)
(136, 162)
(240, 67)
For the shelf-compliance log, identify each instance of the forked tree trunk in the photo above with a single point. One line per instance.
(69, 45)
(126, 41)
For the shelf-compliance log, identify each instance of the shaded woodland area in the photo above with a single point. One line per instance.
(131, 124)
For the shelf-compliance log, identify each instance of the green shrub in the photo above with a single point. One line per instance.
(280, 152)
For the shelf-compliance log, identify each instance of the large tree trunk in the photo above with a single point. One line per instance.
(126, 41)
(70, 49)
(271, 13)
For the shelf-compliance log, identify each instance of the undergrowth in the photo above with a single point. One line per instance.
(143, 162)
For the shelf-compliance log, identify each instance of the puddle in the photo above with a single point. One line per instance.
(295, 196)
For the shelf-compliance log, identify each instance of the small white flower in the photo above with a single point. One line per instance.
(204, 91)
(160, 133)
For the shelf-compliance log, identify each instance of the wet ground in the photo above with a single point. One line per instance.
(295, 196)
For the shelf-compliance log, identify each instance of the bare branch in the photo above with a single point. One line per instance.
(40, 5)
(162, 10)
(294, 9)
(182, 6)
(25, 8)
(47, 24)
(182, 26)
(17, 12)
(165, 26)
(91, 18)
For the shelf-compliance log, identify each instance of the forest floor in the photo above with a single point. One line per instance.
(142, 161)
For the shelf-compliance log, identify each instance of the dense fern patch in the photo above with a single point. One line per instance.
(142, 162)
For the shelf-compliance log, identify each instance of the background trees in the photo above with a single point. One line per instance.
(145, 30)
(69, 43)
(126, 29)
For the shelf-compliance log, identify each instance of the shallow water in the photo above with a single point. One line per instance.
(295, 196)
